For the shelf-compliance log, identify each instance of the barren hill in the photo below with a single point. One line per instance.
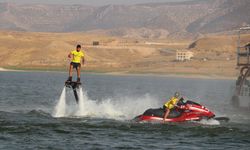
(158, 20)
(49, 50)
(27, 50)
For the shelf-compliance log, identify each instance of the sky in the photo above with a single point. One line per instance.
(89, 2)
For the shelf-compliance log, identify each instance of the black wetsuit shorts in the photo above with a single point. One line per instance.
(164, 107)
(75, 65)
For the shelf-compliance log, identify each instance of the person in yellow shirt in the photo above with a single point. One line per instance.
(169, 105)
(77, 57)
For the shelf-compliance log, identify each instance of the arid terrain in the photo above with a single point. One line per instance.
(214, 55)
(138, 38)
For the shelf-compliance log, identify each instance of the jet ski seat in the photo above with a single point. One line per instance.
(160, 113)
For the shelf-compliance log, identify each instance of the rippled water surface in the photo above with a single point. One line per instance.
(27, 102)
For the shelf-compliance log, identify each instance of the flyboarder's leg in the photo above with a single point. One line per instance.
(79, 73)
(70, 72)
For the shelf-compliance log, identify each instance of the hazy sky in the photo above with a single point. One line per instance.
(88, 2)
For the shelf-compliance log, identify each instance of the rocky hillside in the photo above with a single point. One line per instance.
(158, 20)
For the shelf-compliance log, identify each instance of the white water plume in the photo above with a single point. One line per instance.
(115, 108)
(81, 104)
(120, 108)
(60, 108)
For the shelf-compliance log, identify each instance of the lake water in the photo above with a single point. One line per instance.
(28, 100)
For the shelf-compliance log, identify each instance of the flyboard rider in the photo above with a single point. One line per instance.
(77, 60)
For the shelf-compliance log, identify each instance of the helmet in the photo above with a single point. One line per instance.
(177, 94)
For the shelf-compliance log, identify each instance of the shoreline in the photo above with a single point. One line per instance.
(173, 75)
(126, 73)
(8, 70)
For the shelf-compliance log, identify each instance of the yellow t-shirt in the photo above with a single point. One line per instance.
(77, 56)
(171, 103)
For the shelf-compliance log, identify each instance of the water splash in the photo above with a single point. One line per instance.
(209, 122)
(81, 105)
(60, 108)
(119, 108)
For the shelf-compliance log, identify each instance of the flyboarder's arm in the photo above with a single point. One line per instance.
(69, 55)
(83, 60)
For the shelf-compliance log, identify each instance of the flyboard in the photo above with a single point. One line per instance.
(74, 86)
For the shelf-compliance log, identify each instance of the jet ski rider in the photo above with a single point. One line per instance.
(77, 56)
(171, 104)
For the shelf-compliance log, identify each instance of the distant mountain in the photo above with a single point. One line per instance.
(156, 20)
(229, 15)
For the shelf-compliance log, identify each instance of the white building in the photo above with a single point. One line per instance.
(182, 55)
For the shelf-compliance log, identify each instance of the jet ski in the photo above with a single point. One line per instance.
(188, 111)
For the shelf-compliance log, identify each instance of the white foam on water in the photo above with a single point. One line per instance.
(60, 108)
(114, 108)
(121, 108)
(209, 122)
